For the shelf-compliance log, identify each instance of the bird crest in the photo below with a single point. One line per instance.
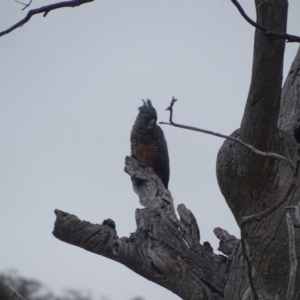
(147, 110)
(147, 103)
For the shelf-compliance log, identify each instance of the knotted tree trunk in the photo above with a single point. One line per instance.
(253, 184)
(258, 190)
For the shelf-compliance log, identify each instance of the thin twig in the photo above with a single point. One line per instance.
(293, 258)
(269, 33)
(25, 5)
(45, 10)
(250, 147)
(261, 3)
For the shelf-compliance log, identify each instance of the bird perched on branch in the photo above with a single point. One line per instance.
(148, 143)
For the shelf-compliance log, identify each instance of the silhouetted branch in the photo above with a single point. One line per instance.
(25, 5)
(7, 293)
(45, 10)
(270, 33)
(237, 140)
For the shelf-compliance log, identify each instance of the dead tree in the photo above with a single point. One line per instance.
(261, 191)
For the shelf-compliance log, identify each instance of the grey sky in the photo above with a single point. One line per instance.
(71, 84)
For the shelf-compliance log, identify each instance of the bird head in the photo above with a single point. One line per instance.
(146, 118)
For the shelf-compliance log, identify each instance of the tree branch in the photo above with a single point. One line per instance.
(25, 5)
(258, 217)
(249, 264)
(237, 140)
(162, 249)
(269, 33)
(45, 10)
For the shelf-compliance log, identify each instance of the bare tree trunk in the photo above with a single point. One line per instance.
(168, 251)
(252, 184)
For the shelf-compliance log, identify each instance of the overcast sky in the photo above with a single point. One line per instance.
(71, 84)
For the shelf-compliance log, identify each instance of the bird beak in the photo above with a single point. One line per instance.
(151, 124)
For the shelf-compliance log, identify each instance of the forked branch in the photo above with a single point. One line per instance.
(162, 249)
(269, 33)
(44, 10)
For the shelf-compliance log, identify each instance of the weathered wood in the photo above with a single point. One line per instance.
(252, 184)
(168, 251)
(163, 249)
(228, 243)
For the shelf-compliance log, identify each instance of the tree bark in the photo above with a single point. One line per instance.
(163, 249)
(252, 184)
(168, 251)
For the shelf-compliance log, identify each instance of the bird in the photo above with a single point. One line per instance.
(148, 143)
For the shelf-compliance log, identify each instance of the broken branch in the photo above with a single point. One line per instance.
(25, 5)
